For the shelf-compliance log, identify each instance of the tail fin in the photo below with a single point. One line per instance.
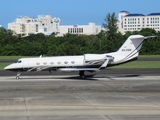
(131, 47)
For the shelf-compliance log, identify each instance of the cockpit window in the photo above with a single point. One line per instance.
(18, 61)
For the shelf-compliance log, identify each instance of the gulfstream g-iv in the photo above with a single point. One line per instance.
(81, 63)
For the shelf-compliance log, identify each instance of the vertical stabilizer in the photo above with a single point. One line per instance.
(131, 47)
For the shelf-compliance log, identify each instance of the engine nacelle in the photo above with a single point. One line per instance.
(89, 57)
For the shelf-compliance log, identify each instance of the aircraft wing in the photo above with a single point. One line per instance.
(79, 69)
(64, 69)
(104, 65)
(40, 68)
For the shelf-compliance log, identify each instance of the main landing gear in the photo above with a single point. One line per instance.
(18, 74)
(82, 75)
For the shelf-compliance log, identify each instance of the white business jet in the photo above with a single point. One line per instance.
(87, 62)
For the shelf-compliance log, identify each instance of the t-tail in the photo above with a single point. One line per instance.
(131, 48)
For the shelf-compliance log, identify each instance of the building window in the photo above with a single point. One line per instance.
(80, 30)
(75, 30)
(69, 30)
(36, 28)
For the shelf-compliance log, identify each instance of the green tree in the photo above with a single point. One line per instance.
(111, 26)
(148, 32)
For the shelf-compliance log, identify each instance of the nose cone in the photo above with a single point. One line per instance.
(14, 67)
(7, 68)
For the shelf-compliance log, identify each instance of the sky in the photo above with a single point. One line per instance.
(73, 12)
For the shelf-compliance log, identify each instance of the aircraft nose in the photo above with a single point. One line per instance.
(7, 67)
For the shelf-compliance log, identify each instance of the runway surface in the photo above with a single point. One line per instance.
(103, 96)
(103, 72)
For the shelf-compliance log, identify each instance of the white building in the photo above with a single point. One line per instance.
(135, 22)
(27, 25)
(90, 29)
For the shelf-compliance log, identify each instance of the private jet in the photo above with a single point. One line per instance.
(129, 51)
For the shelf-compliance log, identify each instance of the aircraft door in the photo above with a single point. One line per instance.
(25, 64)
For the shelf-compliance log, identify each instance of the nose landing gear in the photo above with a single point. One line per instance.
(18, 74)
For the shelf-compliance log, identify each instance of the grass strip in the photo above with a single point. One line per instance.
(149, 56)
(2, 65)
(13, 57)
(140, 64)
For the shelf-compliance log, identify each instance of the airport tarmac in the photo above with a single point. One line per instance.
(66, 97)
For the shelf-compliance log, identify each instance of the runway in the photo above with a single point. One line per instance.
(66, 97)
(103, 72)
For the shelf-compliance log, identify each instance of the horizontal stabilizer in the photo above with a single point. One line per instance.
(146, 37)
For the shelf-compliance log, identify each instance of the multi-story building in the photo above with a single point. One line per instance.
(91, 29)
(27, 25)
(47, 25)
(135, 22)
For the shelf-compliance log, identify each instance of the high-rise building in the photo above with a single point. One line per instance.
(28, 25)
(135, 22)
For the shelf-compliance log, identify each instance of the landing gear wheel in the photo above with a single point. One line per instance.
(17, 77)
(82, 75)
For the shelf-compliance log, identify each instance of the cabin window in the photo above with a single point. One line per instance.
(59, 62)
(65, 62)
(72, 62)
(37, 63)
(51, 63)
(45, 63)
